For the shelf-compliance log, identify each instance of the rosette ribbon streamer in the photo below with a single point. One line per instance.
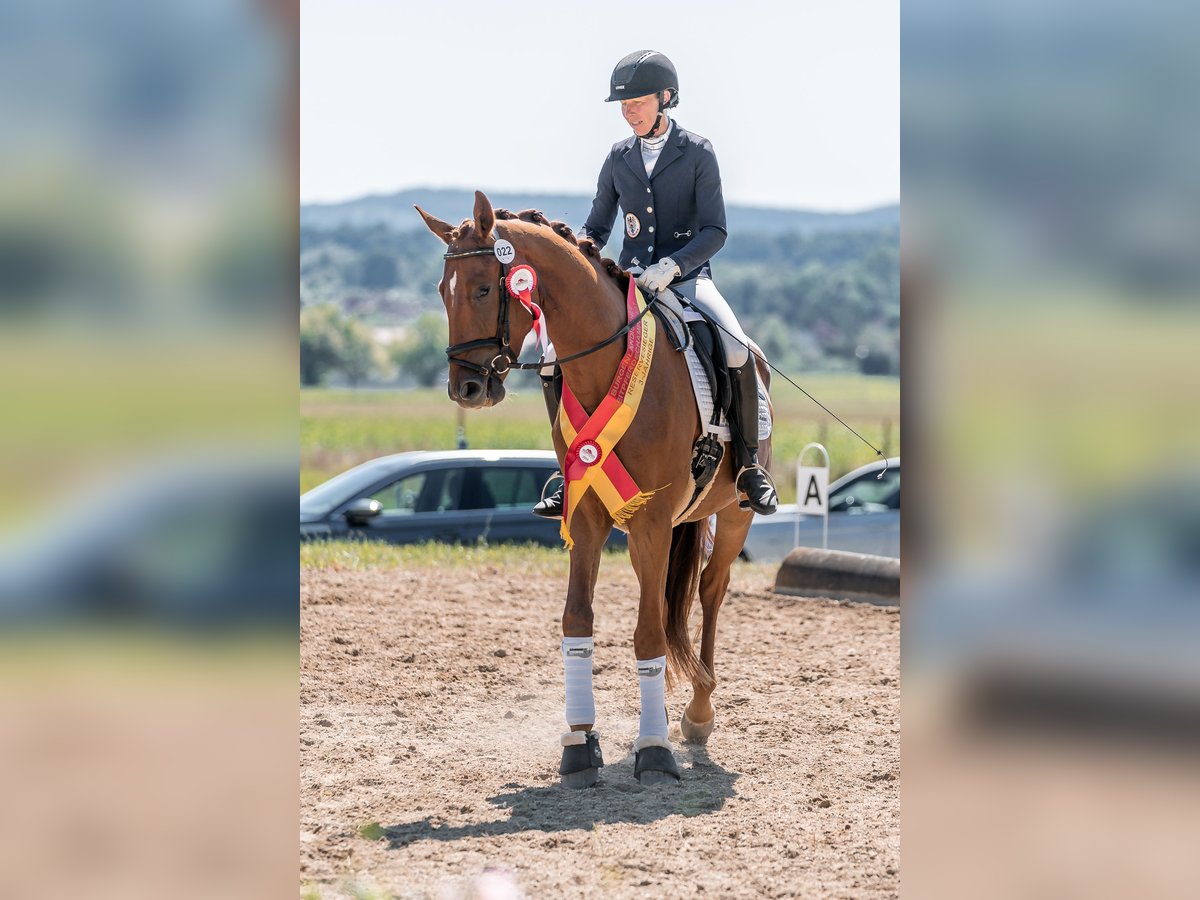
(591, 461)
(521, 282)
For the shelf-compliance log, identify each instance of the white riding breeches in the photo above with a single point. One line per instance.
(701, 292)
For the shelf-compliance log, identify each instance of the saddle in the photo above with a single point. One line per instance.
(694, 334)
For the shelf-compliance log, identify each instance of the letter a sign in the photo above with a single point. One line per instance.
(812, 489)
(812, 492)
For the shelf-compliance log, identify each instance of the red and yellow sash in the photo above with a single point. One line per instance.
(591, 462)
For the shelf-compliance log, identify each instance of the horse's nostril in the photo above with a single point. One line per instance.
(470, 389)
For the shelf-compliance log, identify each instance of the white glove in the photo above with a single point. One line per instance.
(656, 278)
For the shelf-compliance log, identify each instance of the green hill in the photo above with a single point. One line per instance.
(396, 212)
(819, 291)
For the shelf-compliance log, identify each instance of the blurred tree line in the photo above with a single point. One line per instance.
(338, 347)
(826, 300)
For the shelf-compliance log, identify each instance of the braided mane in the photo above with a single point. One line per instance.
(585, 245)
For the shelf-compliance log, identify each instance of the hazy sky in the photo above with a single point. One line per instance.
(801, 101)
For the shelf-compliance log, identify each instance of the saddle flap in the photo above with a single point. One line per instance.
(711, 352)
(673, 326)
(672, 315)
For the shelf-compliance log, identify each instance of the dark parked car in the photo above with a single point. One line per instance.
(455, 496)
(864, 517)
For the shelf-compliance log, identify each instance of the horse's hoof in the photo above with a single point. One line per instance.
(651, 778)
(578, 780)
(655, 765)
(581, 759)
(696, 732)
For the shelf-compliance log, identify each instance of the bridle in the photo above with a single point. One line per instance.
(501, 340)
(506, 357)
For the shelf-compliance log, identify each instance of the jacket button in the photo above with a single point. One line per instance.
(650, 249)
(647, 190)
(652, 229)
(649, 209)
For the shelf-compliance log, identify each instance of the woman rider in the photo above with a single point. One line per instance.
(667, 183)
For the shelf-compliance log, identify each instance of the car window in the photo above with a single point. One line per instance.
(869, 491)
(456, 488)
(401, 498)
(475, 492)
(435, 490)
(445, 496)
(512, 488)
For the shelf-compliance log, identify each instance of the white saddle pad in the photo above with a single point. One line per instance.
(704, 398)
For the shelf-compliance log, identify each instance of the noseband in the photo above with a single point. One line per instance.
(506, 356)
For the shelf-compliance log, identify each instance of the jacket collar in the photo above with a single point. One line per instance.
(673, 149)
(632, 154)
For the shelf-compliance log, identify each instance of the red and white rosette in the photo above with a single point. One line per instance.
(588, 453)
(521, 282)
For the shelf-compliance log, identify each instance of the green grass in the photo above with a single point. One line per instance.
(526, 558)
(341, 428)
(356, 555)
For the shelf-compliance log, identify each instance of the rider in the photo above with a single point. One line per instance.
(667, 183)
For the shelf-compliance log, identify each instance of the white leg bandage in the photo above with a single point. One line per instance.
(577, 673)
(652, 679)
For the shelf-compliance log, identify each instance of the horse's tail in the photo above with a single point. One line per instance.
(683, 580)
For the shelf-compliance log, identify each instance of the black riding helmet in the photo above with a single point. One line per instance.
(644, 72)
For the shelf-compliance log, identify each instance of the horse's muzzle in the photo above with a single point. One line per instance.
(474, 391)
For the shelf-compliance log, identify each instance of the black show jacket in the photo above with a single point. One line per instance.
(678, 211)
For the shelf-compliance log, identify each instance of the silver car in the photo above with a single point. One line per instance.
(864, 517)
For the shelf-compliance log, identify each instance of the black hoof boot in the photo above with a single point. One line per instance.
(551, 507)
(581, 759)
(655, 765)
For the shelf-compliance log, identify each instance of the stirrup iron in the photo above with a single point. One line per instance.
(762, 505)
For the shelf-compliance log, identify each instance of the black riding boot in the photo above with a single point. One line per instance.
(552, 506)
(752, 479)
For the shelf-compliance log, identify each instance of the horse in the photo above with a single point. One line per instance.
(582, 298)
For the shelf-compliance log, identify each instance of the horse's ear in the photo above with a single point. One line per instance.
(436, 225)
(485, 218)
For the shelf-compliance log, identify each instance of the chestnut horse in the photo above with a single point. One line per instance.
(583, 299)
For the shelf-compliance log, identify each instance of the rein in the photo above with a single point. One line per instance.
(506, 356)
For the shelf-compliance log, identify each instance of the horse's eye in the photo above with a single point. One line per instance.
(482, 291)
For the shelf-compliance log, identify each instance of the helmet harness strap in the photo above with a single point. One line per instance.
(657, 119)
